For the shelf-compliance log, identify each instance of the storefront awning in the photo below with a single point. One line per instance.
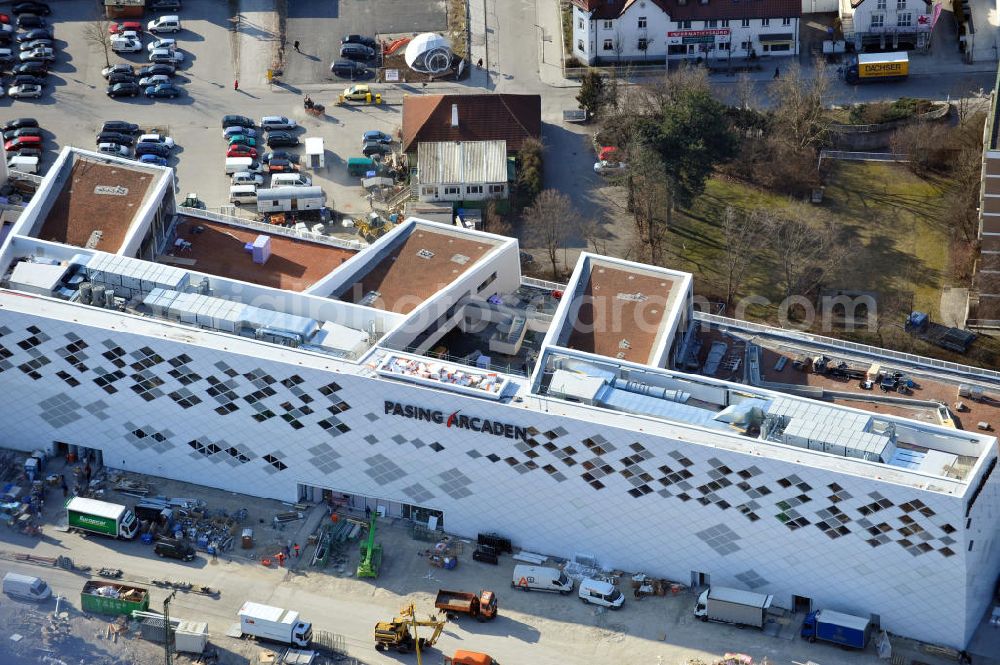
(780, 38)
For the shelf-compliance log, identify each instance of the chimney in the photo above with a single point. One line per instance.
(454, 115)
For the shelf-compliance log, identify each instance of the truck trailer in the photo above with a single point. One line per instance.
(877, 67)
(843, 629)
(742, 608)
(482, 606)
(107, 519)
(111, 598)
(274, 624)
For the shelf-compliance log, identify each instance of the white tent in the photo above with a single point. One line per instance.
(429, 53)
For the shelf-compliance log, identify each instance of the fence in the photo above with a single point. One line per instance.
(862, 156)
(542, 284)
(271, 229)
(842, 345)
(28, 177)
(619, 71)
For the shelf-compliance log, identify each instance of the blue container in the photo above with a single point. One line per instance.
(147, 538)
(202, 542)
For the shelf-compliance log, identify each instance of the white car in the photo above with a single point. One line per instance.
(163, 42)
(166, 55)
(38, 54)
(604, 167)
(269, 122)
(156, 138)
(121, 44)
(25, 90)
(247, 178)
(113, 149)
(155, 79)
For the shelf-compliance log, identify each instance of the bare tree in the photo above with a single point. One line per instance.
(549, 222)
(742, 233)
(650, 201)
(800, 105)
(746, 93)
(493, 221)
(97, 34)
(806, 251)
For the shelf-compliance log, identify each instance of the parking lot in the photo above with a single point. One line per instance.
(75, 103)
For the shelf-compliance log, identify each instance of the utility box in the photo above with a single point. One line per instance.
(315, 152)
(191, 636)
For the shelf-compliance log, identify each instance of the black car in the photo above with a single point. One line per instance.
(276, 139)
(115, 137)
(28, 21)
(32, 35)
(175, 549)
(280, 154)
(19, 123)
(370, 148)
(27, 79)
(6, 38)
(360, 39)
(121, 77)
(158, 149)
(34, 68)
(27, 151)
(119, 126)
(123, 90)
(164, 5)
(349, 69)
(31, 7)
(356, 52)
(236, 121)
(24, 131)
(158, 68)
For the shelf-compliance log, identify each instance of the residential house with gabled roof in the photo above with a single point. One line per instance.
(876, 25)
(608, 31)
(494, 117)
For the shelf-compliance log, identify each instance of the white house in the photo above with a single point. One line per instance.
(608, 31)
(888, 24)
(462, 170)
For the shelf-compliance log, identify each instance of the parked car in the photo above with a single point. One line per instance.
(164, 5)
(153, 159)
(364, 40)
(272, 122)
(155, 79)
(235, 129)
(242, 139)
(280, 154)
(5, 19)
(240, 150)
(37, 33)
(19, 123)
(25, 90)
(356, 52)
(277, 165)
(152, 149)
(163, 90)
(39, 69)
(121, 78)
(123, 90)
(118, 68)
(166, 55)
(371, 148)
(236, 121)
(163, 42)
(164, 24)
(119, 126)
(175, 549)
(115, 137)
(276, 139)
(38, 55)
(123, 44)
(39, 8)
(247, 178)
(28, 21)
(24, 131)
(605, 167)
(349, 69)
(114, 149)
(27, 79)
(23, 141)
(377, 136)
(357, 93)
(35, 43)
(27, 151)
(134, 26)
(163, 68)
(157, 138)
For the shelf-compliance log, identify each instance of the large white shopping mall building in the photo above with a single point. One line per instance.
(425, 377)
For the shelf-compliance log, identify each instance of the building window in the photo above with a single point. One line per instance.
(904, 19)
(724, 23)
(643, 44)
(677, 49)
(746, 46)
(880, 4)
(496, 189)
(684, 25)
(486, 282)
(765, 22)
(723, 46)
(452, 191)
(579, 46)
(579, 23)
(745, 23)
(642, 22)
(878, 20)
(900, 4)
(780, 47)
(608, 25)
(711, 23)
(609, 45)
(786, 21)
(474, 189)
(429, 191)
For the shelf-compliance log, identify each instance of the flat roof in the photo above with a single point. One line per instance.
(97, 203)
(416, 267)
(621, 312)
(218, 249)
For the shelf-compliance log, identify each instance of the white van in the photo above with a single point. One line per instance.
(240, 194)
(605, 594)
(290, 180)
(26, 587)
(238, 164)
(165, 24)
(541, 578)
(23, 164)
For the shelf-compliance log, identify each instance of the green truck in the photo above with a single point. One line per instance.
(110, 598)
(108, 519)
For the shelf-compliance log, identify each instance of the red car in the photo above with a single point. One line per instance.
(4, 18)
(115, 28)
(237, 150)
(22, 142)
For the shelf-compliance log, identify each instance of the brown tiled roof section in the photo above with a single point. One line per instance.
(696, 11)
(512, 118)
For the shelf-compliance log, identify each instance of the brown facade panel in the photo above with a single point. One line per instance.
(991, 224)
(993, 166)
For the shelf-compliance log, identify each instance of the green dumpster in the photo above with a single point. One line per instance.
(359, 166)
(111, 598)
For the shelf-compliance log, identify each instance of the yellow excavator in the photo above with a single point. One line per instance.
(401, 633)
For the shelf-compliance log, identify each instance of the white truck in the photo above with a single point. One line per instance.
(108, 519)
(274, 624)
(742, 608)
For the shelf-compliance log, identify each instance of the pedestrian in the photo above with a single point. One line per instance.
(86, 472)
(287, 552)
(65, 487)
(296, 46)
(280, 556)
(368, 512)
(777, 72)
(236, 85)
(479, 63)
(296, 548)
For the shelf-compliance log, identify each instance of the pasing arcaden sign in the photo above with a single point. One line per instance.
(457, 419)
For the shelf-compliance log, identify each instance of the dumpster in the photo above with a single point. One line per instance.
(110, 598)
(359, 166)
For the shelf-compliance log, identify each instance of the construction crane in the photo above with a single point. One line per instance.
(401, 633)
(167, 642)
(371, 552)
